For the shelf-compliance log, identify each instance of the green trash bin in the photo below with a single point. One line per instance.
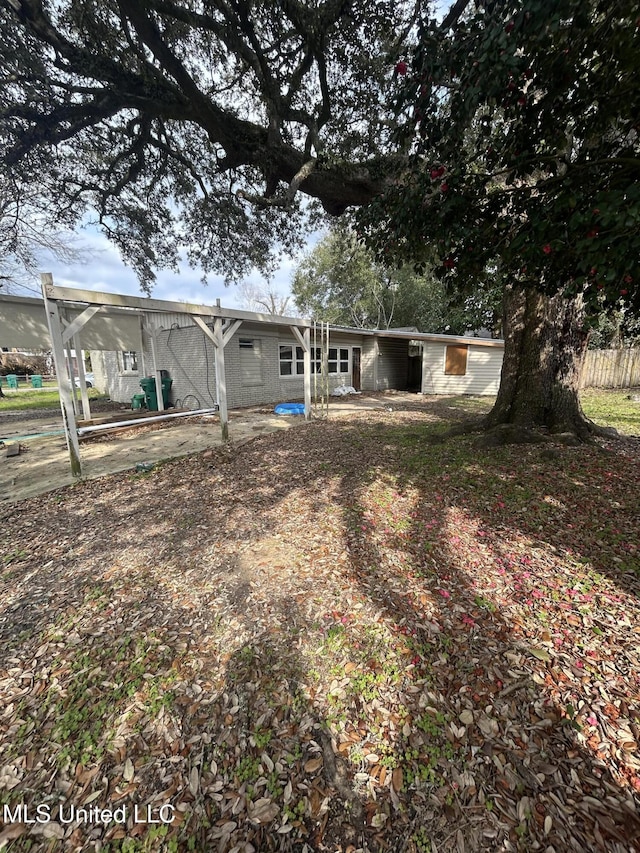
(137, 401)
(166, 390)
(148, 385)
(12, 380)
(36, 381)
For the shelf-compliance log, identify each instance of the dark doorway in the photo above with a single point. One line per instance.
(414, 373)
(355, 368)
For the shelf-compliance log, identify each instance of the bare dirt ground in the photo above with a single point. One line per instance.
(43, 462)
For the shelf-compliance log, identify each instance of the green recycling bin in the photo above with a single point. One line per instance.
(12, 380)
(148, 385)
(137, 401)
(36, 381)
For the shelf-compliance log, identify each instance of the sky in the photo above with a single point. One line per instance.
(102, 269)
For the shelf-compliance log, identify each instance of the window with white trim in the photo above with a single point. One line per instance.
(338, 360)
(292, 360)
(129, 361)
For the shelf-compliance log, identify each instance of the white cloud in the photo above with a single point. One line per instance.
(100, 268)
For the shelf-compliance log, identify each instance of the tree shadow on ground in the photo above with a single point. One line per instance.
(498, 689)
(333, 655)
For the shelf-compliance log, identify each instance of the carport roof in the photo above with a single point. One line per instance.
(23, 321)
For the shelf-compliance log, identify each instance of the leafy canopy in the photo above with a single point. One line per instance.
(193, 124)
(339, 281)
(520, 125)
(30, 231)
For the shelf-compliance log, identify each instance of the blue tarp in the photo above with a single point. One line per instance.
(289, 409)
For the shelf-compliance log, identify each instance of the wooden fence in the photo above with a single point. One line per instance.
(611, 368)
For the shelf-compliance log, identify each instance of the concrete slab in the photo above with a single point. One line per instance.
(43, 463)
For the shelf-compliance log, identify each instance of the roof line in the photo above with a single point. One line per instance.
(72, 297)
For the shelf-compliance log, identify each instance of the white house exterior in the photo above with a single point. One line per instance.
(480, 374)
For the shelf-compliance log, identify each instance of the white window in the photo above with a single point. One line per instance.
(129, 361)
(292, 360)
(338, 360)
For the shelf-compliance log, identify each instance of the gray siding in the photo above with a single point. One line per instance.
(253, 372)
(368, 367)
(393, 364)
(483, 370)
(188, 355)
(111, 379)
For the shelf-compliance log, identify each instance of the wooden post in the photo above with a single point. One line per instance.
(64, 383)
(307, 374)
(221, 379)
(141, 365)
(86, 409)
(156, 373)
(70, 372)
(304, 339)
(220, 337)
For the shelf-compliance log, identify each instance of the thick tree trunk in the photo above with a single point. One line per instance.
(545, 343)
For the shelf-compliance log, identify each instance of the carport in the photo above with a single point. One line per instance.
(69, 318)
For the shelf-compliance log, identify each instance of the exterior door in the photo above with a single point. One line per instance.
(355, 368)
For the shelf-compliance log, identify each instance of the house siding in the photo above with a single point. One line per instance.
(292, 388)
(368, 373)
(482, 377)
(188, 356)
(110, 379)
(393, 364)
(253, 373)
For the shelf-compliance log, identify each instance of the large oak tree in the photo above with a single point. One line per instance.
(198, 125)
(521, 128)
(194, 124)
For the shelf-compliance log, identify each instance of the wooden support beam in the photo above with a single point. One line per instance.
(221, 378)
(220, 336)
(304, 338)
(200, 322)
(307, 374)
(231, 327)
(94, 297)
(156, 373)
(86, 409)
(81, 320)
(64, 383)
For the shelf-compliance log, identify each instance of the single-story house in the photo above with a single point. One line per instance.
(219, 358)
(264, 363)
(264, 356)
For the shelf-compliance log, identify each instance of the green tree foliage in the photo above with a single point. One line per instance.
(341, 282)
(521, 126)
(191, 126)
(195, 125)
